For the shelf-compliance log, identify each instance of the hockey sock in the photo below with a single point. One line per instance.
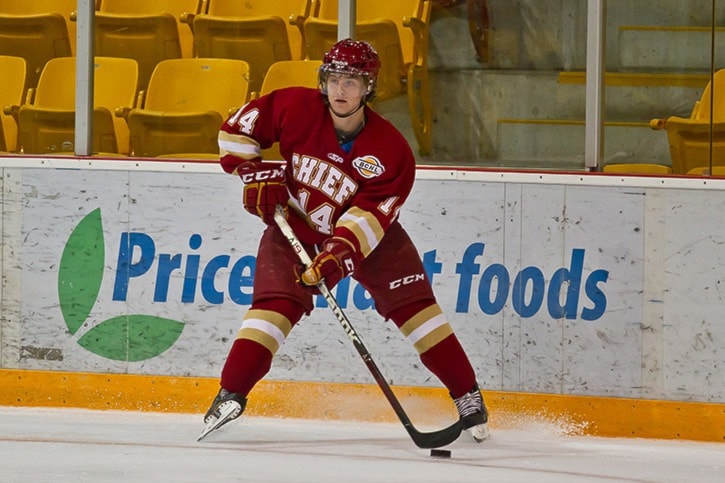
(449, 362)
(248, 362)
(265, 327)
(425, 326)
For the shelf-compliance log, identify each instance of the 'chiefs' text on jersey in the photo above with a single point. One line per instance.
(353, 194)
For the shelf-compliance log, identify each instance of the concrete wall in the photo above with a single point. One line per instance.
(530, 43)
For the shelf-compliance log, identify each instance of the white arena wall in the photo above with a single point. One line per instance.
(570, 284)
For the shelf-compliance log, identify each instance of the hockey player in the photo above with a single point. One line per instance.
(348, 172)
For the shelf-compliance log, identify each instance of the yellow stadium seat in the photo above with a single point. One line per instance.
(185, 104)
(148, 39)
(43, 7)
(36, 38)
(398, 30)
(288, 73)
(260, 32)
(12, 87)
(47, 124)
(637, 168)
(177, 8)
(689, 138)
(717, 171)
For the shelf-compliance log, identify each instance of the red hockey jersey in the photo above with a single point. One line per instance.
(353, 195)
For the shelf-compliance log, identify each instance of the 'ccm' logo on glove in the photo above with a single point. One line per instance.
(264, 189)
(263, 175)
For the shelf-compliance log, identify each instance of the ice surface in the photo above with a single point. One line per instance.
(69, 445)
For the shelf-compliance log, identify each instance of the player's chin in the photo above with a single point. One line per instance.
(342, 106)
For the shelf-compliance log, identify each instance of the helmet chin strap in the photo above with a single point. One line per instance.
(343, 116)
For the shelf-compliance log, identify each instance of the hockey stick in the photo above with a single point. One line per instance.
(433, 439)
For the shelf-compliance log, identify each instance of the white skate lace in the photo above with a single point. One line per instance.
(469, 403)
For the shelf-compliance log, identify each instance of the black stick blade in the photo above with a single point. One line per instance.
(435, 439)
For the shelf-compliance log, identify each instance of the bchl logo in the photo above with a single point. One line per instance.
(368, 166)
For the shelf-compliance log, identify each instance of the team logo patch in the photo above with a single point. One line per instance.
(368, 166)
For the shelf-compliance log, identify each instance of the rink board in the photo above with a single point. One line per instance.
(428, 408)
(580, 285)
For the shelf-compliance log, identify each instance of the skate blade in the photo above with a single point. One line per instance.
(228, 413)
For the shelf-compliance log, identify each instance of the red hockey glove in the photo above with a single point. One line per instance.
(263, 191)
(332, 264)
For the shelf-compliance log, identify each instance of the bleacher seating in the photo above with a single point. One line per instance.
(560, 143)
(399, 32)
(289, 73)
(29, 30)
(46, 124)
(523, 104)
(177, 8)
(640, 79)
(260, 32)
(689, 138)
(147, 38)
(717, 171)
(64, 8)
(637, 168)
(185, 104)
(12, 87)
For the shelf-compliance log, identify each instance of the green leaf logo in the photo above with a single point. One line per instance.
(129, 338)
(141, 337)
(81, 270)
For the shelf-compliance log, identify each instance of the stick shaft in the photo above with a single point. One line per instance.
(423, 440)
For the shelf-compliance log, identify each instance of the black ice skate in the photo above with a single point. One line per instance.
(226, 407)
(473, 413)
